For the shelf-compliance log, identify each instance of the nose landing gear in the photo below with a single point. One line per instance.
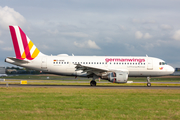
(148, 82)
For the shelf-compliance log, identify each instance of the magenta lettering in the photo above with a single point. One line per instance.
(124, 60)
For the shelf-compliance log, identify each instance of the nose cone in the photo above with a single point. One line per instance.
(170, 69)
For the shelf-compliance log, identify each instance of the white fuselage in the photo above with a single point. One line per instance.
(65, 65)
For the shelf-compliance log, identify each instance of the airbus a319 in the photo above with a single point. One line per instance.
(115, 69)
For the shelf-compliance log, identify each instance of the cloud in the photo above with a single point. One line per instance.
(176, 35)
(147, 36)
(54, 32)
(122, 27)
(143, 21)
(166, 27)
(75, 34)
(8, 16)
(1, 42)
(138, 35)
(87, 44)
(7, 49)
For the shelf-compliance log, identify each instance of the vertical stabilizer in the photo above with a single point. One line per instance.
(23, 46)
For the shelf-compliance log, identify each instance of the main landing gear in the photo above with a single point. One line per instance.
(148, 82)
(93, 82)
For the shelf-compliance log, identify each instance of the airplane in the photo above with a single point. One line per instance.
(115, 69)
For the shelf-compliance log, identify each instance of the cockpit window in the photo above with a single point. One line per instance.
(162, 63)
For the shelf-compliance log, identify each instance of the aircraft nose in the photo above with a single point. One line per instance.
(171, 69)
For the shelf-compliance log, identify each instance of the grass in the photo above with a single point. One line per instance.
(84, 103)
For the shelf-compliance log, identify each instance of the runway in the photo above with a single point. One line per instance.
(94, 87)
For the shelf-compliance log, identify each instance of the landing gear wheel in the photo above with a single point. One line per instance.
(149, 84)
(93, 83)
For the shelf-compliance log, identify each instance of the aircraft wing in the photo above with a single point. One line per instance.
(95, 70)
(90, 69)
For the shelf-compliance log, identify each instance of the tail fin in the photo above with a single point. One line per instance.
(23, 46)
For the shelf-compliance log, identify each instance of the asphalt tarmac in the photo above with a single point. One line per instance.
(93, 87)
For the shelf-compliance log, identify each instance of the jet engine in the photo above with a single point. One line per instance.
(118, 77)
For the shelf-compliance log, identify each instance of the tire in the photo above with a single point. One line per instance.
(149, 84)
(93, 83)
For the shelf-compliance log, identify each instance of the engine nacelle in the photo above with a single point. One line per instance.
(118, 77)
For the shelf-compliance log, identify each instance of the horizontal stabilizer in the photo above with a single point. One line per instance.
(16, 60)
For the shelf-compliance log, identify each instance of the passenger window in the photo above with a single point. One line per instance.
(67, 62)
(94, 62)
(64, 62)
(91, 62)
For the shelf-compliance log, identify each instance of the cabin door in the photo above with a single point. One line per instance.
(150, 64)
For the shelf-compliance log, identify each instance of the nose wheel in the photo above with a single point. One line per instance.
(148, 82)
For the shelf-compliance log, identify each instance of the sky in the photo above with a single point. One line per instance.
(91, 27)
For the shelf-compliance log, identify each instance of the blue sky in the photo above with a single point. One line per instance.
(91, 27)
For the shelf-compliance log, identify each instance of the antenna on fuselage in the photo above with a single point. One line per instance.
(146, 55)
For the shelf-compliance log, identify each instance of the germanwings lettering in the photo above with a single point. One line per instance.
(124, 60)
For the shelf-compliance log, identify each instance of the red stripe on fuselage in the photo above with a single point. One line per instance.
(25, 44)
(15, 42)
